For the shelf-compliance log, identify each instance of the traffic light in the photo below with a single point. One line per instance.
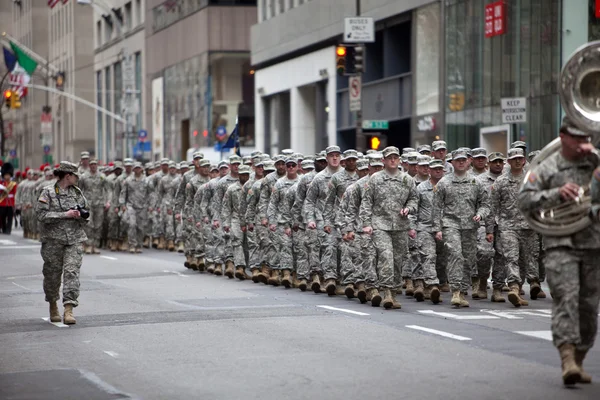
(340, 60)
(15, 101)
(456, 101)
(355, 60)
(377, 142)
(7, 98)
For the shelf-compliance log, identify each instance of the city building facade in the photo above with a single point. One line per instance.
(119, 64)
(198, 74)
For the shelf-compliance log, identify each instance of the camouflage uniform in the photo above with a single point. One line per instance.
(489, 253)
(271, 244)
(282, 242)
(167, 186)
(307, 258)
(432, 261)
(456, 200)
(256, 247)
(195, 235)
(117, 225)
(134, 195)
(158, 227)
(213, 253)
(231, 218)
(96, 190)
(62, 242)
(216, 203)
(571, 261)
(384, 197)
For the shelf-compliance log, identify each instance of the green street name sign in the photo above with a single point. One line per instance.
(375, 124)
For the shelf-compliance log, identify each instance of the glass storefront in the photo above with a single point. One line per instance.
(523, 61)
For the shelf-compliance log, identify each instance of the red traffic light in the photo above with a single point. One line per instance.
(7, 94)
(340, 51)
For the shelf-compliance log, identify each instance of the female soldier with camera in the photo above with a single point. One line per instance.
(61, 208)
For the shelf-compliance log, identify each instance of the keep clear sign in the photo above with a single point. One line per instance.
(514, 110)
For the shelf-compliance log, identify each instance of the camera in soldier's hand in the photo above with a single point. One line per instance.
(83, 212)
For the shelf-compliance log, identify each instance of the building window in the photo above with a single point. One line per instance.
(99, 116)
(109, 120)
(128, 16)
(99, 33)
(139, 13)
(108, 31)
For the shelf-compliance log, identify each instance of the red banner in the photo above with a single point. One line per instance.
(597, 8)
(495, 19)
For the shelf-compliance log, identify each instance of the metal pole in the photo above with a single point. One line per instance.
(360, 138)
(2, 138)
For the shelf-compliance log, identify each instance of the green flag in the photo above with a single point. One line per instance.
(26, 62)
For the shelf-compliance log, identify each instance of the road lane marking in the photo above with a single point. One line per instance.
(436, 332)
(109, 258)
(501, 314)
(458, 316)
(344, 310)
(23, 287)
(19, 247)
(176, 273)
(25, 276)
(57, 324)
(111, 353)
(546, 335)
(6, 242)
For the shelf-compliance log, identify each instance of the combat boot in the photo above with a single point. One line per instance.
(349, 291)
(274, 278)
(534, 289)
(497, 296)
(445, 288)
(361, 292)
(132, 249)
(395, 303)
(229, 269)
(388, 299)
(180, 247)
(427, 292)
(410, 289)
(240, 273)
(87, 249)
(161, 243)
(138, 250)
(302, 285)
(95, 250)
(455, 298)
(68, 317)
(482, 290)
(505, 288)
(514, 296)
(463, 301)
(474, 285)
(171, 245)
(419, 290)
(315, 284)
(210, 268)
(434, 294)
(286, 280)
(113, 245)
(255, 274)
(521, 291)
(541, 294)
(264, 275)
(201, 263)
(124, 245)
(339, 290)
(375, 297)
(54, 314)
(571, 372)
(187, 261)
(146, 242)
(330, 287)
(579, 357)
(193, 263)
(218, 269)
(155, 243)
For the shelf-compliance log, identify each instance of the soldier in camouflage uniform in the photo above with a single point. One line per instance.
(94, 186)
(517, 241)
(47, 179)
(155, 210)
(195, 240)
(62, 238)
(165, 201)
(182, 168)
(183, 196)
(231, 218)
(460, 202)
(517, 145)
(149, 171)
(440, 152)
(213, 253)
(283, 264)
(412, 258)
(571, 260)
(389, 198)
(133, 200)
(119, 227)
(313, 213)
(336, 187)
(84, 163)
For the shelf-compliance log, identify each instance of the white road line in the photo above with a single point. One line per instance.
(501, 314)
(25, 276)
(176, 273)
(436, 332)
(109, 258)
(18, 247)
(111, 353)
(57, 324)
(23, 287)
(344, 310)
(546, 335)
(7, 242)
(458, 316)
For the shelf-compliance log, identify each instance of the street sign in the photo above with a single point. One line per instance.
(46, 149)
(359, 30)
(12, 153)
(514, 110)
(375, 124)
(355, 89)
(128, 72)
(221, 132)
(142, 135)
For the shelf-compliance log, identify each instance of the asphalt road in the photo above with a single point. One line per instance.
(148, 328)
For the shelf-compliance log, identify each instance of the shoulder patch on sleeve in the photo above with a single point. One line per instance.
(532, 177)
(43, 197)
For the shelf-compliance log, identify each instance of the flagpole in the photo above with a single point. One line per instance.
(41, 60)
(2, 138)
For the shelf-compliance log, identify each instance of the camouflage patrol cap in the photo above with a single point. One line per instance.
(93, 161)
(156, 164)
(279, 158)
(496, 155)
(287, 152)
(424, 148)
(184, 165)
(459, 154)
(291, 160)
(67, 167)
(269, 166)
(204, 163)
(406, 150)
(479, 152)
(332, 149)
(172, 164)
(128, 162)
(85, 155)
(148, 165)
(321, 156)
(449, 157)
(569, 128)
(412, 157)
(308, 164)
(223, 164)
(214, 167)
(246, 160)
(435, 163)
(423, 159)
(350, 154)
(376, 161)
(164, 161)
(309, 157)
(118, 165)
(137, 165)
(197, 154)
(255, 154)
(298, 156)
(439, 145)
(533, 155)
(520, 144)
(244, 169)
(466, 150)
(371, 151)
(260, 162)
(234, 159)
(404, 158)
(388, 151)
(515, 153)
(361, 165)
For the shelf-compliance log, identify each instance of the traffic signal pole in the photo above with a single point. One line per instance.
(360, 138)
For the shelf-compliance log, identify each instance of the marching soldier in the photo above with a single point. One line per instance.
(133, 200)
(95, 188)
(165, 201)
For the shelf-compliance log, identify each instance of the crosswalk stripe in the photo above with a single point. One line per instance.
(546, 335)
(440, 333)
